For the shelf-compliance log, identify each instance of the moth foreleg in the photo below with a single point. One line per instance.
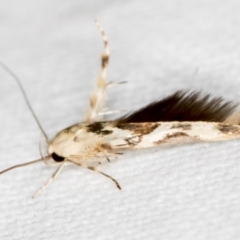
(55, 174)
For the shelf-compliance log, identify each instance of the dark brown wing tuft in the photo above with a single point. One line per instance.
(183, 106)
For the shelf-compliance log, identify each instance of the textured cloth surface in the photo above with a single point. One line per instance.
(183, 192)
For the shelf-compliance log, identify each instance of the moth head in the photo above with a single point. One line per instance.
(54, 155)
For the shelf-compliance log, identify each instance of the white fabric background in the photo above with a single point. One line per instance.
(184, 192)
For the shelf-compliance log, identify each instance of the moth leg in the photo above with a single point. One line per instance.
(108, 176)
(96, 170)
(104, 154)
(107, 157)
(55, 174)
(97, 98)
(103, 149)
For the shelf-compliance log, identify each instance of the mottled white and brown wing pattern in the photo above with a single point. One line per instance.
(85, 140)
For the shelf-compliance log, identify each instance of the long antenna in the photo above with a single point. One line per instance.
(22, 165)
(7, 69)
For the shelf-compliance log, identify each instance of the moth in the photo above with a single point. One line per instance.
(184, 117)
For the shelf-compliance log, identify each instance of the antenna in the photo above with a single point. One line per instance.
(7, 69)
(22, 165)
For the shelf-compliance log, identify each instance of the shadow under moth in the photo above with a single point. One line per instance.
(183, 117)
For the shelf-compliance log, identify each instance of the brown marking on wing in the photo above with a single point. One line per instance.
(177, 134)
(170, 137)
(106, 132)
(98, 128)
(228, 129)
(142, 129)
(95, 127)
(183, 126)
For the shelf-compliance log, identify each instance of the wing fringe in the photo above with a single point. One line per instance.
(186, 106)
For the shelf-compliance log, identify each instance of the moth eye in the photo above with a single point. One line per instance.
(57, 158)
